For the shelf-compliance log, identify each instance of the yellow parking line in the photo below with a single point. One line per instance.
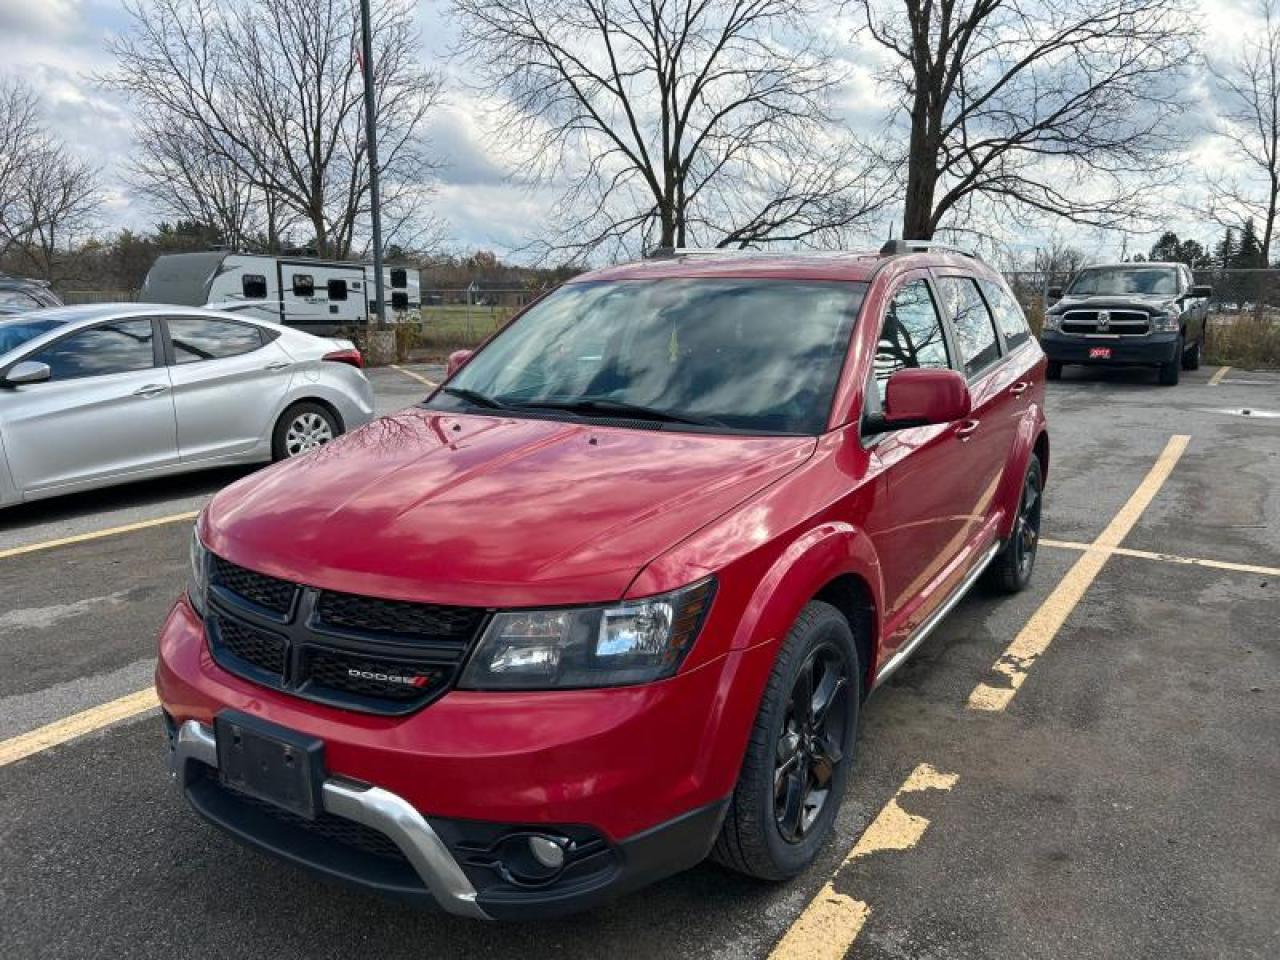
(76, 725)
(98, 534)
(1035, 637)
(1218, 375)
(1165, 557)
(832, 921)
(416, 376)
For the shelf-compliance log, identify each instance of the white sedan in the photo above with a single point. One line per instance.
(103, 394)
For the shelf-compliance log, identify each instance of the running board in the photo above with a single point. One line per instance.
(926, 628)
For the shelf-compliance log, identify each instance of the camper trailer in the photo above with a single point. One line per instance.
(321, 296)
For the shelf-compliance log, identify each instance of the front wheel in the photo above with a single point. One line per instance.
(1191, 358)
(1011, 569)
(800, 753)
(1054, 370)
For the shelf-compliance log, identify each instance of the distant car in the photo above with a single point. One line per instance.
(23, 296)
(1128, 314)
(97, 395)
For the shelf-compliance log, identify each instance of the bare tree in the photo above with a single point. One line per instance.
(672, 122)
(273, 89)
(47, 195)
(1033, 107)
(1249, 124)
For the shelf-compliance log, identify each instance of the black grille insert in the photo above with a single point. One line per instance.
(263, 649)
(396, 617)
(258, 588)
(368, 677)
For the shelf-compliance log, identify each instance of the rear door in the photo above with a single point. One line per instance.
(106, 410)
(229, 381)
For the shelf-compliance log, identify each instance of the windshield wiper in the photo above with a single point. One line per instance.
(474, 397)
(604, 406)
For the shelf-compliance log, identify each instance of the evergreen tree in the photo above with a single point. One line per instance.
(1249, 253)
(1224, 254)
(1166, 248)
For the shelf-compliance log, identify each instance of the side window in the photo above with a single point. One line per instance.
(399, 300)
(975, 329)
(399, 278)
(1009, 315)
(254, 286)
(912, 334)
(304, 285)
(337, 289)
(204, 338)
(116, 347)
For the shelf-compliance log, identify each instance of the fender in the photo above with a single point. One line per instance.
(1030, 426)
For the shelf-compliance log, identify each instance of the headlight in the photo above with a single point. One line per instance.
(198, 577)
(1053, 321)
(636, 641)
(1165, 323)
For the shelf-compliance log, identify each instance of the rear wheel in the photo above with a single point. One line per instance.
(1054, 370)
(1011, 569)
(302, 428)
(1169, 372)
(800, 753)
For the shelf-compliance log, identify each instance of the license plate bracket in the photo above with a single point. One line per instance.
(1099, 353)
(274, 764)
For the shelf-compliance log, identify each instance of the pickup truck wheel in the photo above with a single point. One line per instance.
(1191, 358)
(1010, 570)
(1169, 371)
(1054, 370)
(801, 749)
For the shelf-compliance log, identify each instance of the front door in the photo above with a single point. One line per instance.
(106, 410)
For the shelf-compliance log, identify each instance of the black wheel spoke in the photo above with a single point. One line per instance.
(826, 694)
(791, 812)
(802, 694)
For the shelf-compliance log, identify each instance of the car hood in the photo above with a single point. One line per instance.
(1142, 301)
(488, 511)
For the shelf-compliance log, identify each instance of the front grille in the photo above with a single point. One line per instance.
(268, 592)
(396, 617)
(367, 677)
(263, 649)
(1119, 322)
(363, 653)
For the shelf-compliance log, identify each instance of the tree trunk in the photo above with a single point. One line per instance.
(922, 174)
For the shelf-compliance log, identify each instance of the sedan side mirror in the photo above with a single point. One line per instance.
(1054, 293)
(28, 371)
(1202, 291)
(919, 397)
(457, 360)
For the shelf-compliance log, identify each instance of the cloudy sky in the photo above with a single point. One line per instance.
(59, 44)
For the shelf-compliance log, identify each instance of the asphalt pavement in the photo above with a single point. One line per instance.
(1123, 803)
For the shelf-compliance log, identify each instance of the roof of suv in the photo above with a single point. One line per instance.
(836, 265)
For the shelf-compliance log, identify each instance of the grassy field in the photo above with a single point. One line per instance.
(445, 328)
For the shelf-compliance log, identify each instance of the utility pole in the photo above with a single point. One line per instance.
(371, 136)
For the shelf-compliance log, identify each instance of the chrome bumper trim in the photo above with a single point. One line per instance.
(376, 808)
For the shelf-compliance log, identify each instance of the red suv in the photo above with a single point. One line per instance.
(610, 599)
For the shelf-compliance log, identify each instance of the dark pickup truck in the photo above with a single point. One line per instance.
(1128, 314)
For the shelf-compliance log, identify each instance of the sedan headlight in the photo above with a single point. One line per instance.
(1165, 322)
(636, 641)
(198, 576)
(1053, 321)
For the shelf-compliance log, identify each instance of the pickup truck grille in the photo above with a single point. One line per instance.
(361, 653)
(1123, 323)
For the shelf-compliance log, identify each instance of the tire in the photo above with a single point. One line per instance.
(762, 835)
(302, 428)
(1011, 568)
(1054, 370)
(1169, 371)
(1191, 358)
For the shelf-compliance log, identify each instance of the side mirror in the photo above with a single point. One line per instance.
(1200, 291)
(1054, 293)
(457, 360)
(28, 371)
(919, 397)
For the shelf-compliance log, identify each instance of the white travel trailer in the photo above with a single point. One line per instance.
(318, 295)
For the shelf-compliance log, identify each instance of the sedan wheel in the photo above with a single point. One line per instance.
(301, 429)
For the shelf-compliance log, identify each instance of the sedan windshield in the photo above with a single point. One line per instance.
(1117, 281)
(14, 333)
(748, 355)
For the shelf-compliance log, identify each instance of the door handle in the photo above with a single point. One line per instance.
(277, 365)
(150, 390)
(1019, 388)
(966, 429)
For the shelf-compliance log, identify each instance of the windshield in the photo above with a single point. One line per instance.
(754, 355)
(15, 333)
(1108, 281)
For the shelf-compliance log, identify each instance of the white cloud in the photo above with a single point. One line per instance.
(40, 18)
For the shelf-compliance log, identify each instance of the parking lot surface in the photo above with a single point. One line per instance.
(1118, 799)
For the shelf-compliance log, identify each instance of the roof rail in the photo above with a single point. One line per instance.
(895, 248)
(664, 253)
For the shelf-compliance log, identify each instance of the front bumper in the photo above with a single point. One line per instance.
(1151, 350)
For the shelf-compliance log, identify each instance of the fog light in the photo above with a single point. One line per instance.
(548, 852)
